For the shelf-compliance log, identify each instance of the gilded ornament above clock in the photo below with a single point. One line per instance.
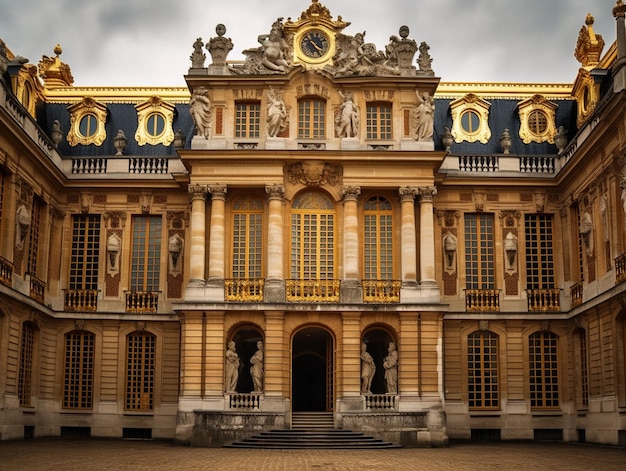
(315, 44)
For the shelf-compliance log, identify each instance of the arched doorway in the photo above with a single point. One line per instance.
(312, 371)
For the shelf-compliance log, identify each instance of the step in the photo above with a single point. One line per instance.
(312, 438)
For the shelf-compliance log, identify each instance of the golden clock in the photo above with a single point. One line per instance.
(315, 44)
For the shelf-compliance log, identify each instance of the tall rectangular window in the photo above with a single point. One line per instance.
(539, 254)
(146, 253)
(247, 119)
(312, 237)
(379, 121)
(482, 371)
(25, 373)
(311, 119)
(543, 370)
(85, 252)
(584, 372)
(247, 239)
(33, 245)
(479, 258)
(141, 351)
(378, 239)
(78, 370)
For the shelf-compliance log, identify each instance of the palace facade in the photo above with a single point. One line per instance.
(323, 227)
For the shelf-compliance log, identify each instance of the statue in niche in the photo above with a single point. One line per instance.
(510, 250)
(114, 244)
(22, 225)
(200, 109)
(623, 198)
(276, 113)
(449, 250)
(231, 368)
(586, 230)
(197, 56)
(275, 48)
(390, 363)
(174, 247)
(424, 116)
(256, 370)
(347, 119)
(368, 368)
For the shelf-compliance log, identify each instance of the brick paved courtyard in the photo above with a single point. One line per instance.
(69, 455)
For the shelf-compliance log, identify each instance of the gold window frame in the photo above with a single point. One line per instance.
(526, 108)
(470, 102)
(77, 112)
(154, 105)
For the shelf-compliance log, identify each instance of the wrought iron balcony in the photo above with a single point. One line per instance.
(81, 300)
(37, 288)
(576, 292)
(142, 301)
(482, 300)
(620, 269)
(249, 290)
(381, 291)
(6, 272)
(312, 291)
(544, 300)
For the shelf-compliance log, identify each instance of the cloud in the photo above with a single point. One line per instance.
(134, 42)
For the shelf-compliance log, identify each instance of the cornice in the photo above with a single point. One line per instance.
(509, 90)
(131, 95)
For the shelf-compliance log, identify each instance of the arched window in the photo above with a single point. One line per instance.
(483, 388)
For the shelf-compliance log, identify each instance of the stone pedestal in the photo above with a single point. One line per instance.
(274, 291)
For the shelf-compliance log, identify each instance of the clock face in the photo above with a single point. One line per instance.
(314, 44)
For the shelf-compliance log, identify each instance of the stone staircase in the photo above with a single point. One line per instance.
(312, 430)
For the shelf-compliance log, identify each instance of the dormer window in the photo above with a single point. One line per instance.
(537, 120)
(470, 116)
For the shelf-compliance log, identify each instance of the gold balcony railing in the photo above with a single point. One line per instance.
(544, 300)
(576, 292)
(142, 301)
(312, 291)
(83, 300)
(482, 300)
(37, 288)
(620, 269)
(6, 272)
(244, 290)
(381, 291)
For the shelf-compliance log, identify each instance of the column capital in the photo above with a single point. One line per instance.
(426, 193)
(218, 191)
(407, 194)
(197, 192)
(350, 193)
(275, 192)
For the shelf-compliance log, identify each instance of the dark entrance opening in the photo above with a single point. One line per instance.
(312, 371)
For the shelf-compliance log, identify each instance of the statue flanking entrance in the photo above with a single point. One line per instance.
(312, 371)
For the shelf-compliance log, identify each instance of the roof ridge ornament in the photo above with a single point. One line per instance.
(54, 72)
(589, 45)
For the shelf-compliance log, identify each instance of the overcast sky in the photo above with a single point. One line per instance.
(148, 42)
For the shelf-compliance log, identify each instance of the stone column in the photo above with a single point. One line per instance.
(427, 235)
(619, 72)
(351, 290)
(275, 282)
(217, 243)
(408, 254)
(198, 194)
